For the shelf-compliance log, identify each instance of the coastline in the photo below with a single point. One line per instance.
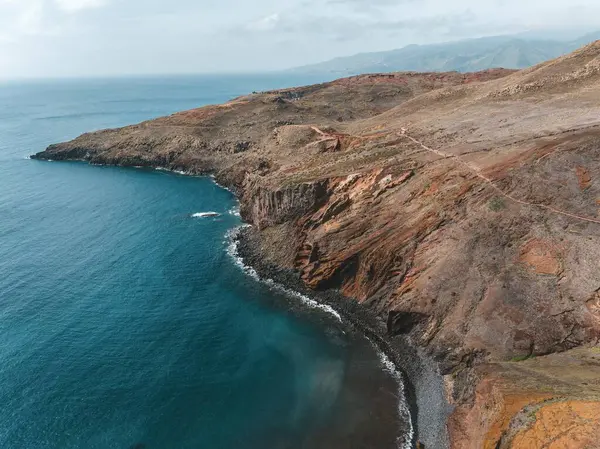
(420, 385)
(473, 232)
(415, 373)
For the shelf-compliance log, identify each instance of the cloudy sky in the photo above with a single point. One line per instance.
(49, 38)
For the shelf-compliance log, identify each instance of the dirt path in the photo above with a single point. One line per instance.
(318, 131)
(477, 171)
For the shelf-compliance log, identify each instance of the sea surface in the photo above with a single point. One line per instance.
(125, 320)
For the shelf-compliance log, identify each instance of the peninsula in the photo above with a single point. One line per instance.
(462, 209)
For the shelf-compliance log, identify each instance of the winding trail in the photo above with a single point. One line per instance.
(319, 131)
(477, 171)
(324, 135)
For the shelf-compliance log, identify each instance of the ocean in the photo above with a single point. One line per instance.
(125, 317)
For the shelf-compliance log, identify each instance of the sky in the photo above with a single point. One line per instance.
(66, 38)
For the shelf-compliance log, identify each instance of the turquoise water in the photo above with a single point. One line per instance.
(124, 321)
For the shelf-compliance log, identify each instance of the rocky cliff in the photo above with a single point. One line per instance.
(462, 208)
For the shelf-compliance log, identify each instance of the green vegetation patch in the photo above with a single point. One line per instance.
(497, 204)
(522, 358)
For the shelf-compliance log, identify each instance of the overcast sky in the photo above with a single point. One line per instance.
(48, 38)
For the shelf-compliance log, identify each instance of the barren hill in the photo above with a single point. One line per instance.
(464, 209)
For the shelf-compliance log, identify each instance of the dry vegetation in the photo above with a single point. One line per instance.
(468, 201)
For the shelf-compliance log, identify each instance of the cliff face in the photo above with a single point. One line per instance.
(464, 209)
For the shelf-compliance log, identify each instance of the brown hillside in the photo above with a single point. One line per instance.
(464, 209)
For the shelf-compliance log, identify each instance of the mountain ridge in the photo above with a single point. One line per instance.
(511, 52)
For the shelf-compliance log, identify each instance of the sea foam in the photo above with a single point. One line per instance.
(214, 179)
(235, 211)
(179, 172)
(205, 214)
(233, 251)
(404, 441)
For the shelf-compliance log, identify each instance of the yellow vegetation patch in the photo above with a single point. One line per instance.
(563, 425)
(541, 256)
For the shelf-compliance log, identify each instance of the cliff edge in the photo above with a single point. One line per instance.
(462, 208)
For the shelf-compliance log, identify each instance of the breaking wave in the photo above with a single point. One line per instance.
(205, 214)
(232, 250)
(405, 440)
(214, 179)
(235, 211)
(179, 172)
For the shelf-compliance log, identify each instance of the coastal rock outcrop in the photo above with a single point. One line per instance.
(461, 208)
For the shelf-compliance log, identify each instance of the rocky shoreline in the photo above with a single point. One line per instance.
(424, 388)
(460, 210)
(423, 385)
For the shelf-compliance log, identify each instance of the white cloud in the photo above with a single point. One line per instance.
(69, 37)
(265, 24)
(27, 18)
(18, 19)
(78, 5)
(30, 20)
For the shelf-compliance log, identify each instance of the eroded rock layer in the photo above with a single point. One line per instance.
(462, 208)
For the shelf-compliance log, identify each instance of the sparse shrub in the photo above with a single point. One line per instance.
(522, 358)
(497, 204)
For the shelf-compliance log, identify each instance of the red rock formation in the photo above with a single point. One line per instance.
(444, 202)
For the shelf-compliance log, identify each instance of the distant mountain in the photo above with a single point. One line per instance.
(514, 52)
